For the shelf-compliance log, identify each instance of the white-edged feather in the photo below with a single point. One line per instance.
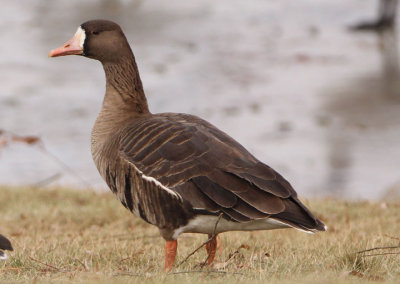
(155, 181)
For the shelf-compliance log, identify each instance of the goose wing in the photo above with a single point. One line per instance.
(209, 169)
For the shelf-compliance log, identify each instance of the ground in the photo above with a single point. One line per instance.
(66, 235)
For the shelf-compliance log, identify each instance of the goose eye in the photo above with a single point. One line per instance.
(95, 32)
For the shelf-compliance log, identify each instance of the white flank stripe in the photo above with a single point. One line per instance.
(151, 179)
(156, 182)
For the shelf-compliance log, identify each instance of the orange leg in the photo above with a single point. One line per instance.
(170, 253)
(211, 248)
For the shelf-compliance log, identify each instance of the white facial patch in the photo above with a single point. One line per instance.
(81, 35)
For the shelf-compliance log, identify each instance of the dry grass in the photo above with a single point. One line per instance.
(62, 235)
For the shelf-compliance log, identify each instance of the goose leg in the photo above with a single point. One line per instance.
(211, 248)
(170, 253)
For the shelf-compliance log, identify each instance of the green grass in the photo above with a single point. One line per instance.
(70, 236)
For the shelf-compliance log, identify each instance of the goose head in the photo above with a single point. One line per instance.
(97, 39)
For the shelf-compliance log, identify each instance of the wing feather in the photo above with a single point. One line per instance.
(209, 169)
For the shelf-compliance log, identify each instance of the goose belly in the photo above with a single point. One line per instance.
(206, 224)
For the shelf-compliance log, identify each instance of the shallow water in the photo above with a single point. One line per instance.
(285, 78)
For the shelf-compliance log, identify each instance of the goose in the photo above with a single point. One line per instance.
(177, 171)
(5, 244)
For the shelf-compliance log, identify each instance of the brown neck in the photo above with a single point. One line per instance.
(123, 85)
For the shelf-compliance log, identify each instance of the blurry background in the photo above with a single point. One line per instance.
(287, 79)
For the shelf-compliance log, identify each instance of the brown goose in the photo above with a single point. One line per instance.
(177, 171)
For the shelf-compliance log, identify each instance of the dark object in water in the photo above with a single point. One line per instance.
(386, 20)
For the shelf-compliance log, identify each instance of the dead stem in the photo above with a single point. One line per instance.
(391, 237)
(36, 140)
(208, 272)
(376, 248)
(48, 265)
(203, 244)
(377, 254)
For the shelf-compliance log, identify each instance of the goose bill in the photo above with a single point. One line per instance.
(72, 47)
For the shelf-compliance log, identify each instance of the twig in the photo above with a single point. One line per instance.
(48, 265)
(81, 263)
(376, 248)
(203, 244)
(193, 252)
(9, 268)
(391, 237)
(35, 140)
(203, 271)
(128, 274)
(65, 166)
(385, 253)
(216, 224)
(231, 255)
(126, 258)
(136, 238)
(47, 181)
(211, 238)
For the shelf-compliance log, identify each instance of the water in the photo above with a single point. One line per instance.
(285, 78)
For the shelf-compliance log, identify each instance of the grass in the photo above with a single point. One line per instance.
(72, 236)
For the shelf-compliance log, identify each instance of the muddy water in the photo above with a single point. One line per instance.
(286, 79)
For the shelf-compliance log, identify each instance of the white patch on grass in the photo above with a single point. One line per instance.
(3, 255)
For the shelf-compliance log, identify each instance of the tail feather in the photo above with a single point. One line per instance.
(298, 216)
